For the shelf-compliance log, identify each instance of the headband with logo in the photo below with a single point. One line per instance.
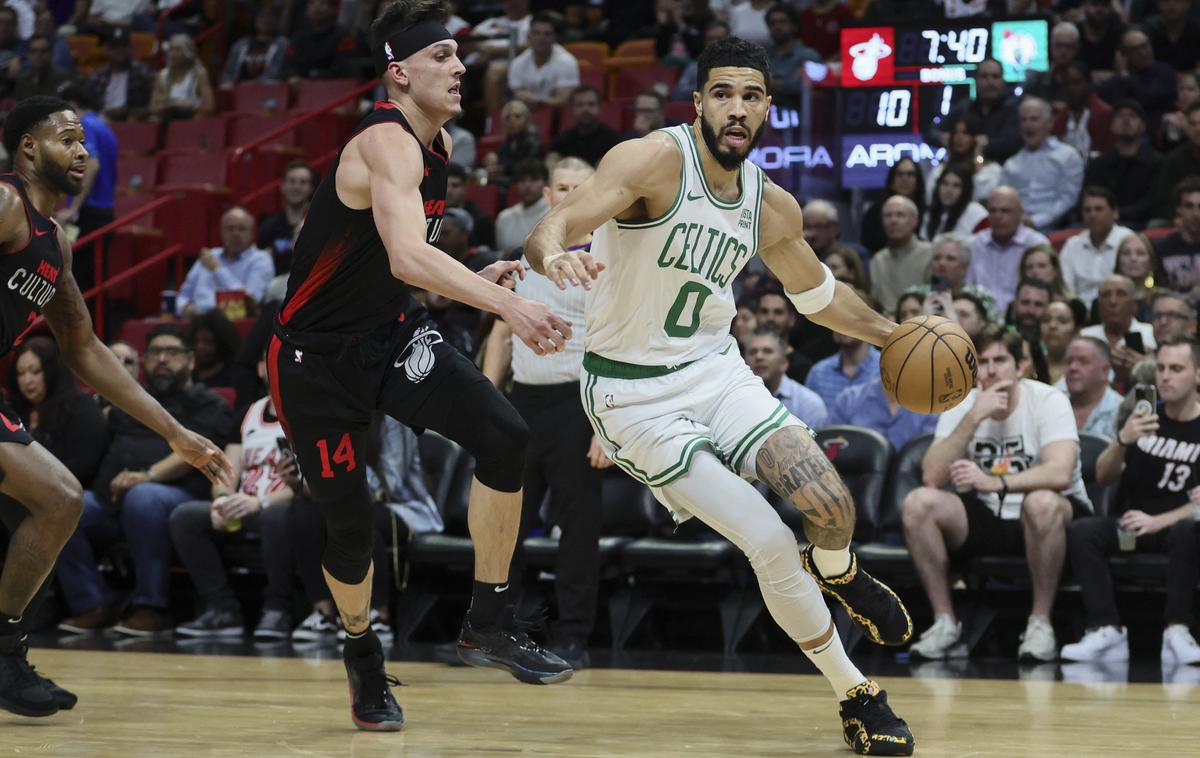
(404, 43)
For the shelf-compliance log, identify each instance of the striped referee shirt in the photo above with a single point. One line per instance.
(568, 304)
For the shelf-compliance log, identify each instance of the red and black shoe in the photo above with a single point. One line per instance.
(509, 647)
(372, 706)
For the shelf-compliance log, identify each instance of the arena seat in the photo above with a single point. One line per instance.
(632, 76)
(136, 137)
(593, 53)
(861, 457)
(594, 77)
(612, 112)
(137, 173)
(191, 167)
(311, 94)
(634, 48)
(886, 556)
(205, 134)
(486, 196)
(260, 97)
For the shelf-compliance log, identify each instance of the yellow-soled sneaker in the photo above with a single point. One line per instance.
(871, 603)
(869, 725)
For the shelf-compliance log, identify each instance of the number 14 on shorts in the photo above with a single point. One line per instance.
(343, 455)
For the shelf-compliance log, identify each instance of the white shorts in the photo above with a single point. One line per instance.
(651, 420)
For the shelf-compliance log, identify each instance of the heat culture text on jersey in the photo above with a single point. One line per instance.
(30, 274)
(35, 286)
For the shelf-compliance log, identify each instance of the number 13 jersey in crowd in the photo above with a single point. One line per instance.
(341, 281)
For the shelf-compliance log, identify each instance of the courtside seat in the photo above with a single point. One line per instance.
(861, 457)
(886, 556)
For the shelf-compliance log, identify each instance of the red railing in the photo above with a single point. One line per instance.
(97, 239)
(245, 152)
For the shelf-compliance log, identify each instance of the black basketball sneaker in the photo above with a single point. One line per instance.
(871, 603)
(870, 727)
(509, 647)
(372, 706)
(22, 690)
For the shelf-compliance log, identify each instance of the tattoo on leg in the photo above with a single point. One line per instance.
(795, 469)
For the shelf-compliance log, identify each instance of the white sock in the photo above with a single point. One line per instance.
(833, 662)
(831, 563)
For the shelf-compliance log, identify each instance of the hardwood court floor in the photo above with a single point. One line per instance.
(147, 705)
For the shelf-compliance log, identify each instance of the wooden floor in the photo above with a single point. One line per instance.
(135, 705)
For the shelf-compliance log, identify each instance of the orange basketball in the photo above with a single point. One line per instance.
(928, 364)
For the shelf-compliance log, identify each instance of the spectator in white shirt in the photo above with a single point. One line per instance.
(514, 222)
(1089, 257)
(1116, 305)
(545, 73)
(1046, 173)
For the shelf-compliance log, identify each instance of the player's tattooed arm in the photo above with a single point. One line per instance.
(795, 468)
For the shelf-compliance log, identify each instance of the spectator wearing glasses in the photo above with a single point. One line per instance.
(139, 483)
(1172, 314)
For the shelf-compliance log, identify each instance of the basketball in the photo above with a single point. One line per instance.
(928, 364)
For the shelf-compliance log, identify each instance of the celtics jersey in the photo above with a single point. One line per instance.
(665, 297)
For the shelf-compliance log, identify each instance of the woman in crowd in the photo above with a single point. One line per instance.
(953, 208)
(909, 305)
(216, 343)
(903, 178)
(56, 412)
(182, 89)
(1061, 322)
(849, 269)
(1137, 260)
(965, 147)
(1041, 262)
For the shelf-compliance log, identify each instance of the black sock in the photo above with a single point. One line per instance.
(11, 633)
(363, 644)
(487, 601)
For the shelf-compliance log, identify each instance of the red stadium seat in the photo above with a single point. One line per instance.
(631, 81)
(244, 128)
(191, 167)
(683, 111)
(136, 136)
(197, 134)
(227, 394)
(486, 196)
(137, 172)
(1059, 238)
(313, 93)
(134, 332)
(260, 97)
(593, 53)
(1159, 232)
(634, 48)
(596, 77)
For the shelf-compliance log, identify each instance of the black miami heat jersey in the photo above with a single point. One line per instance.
(30, 273)
(341, 281)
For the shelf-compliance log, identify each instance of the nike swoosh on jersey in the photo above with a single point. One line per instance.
(690, 196)
(40, 232)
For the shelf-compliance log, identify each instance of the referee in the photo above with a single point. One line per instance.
(563, 457)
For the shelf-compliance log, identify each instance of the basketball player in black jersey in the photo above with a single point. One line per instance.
(350, 339)
(44, 136)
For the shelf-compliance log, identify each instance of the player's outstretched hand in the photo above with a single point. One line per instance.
(504, 273)
(572, 268)
(204, 456)
(540, 330)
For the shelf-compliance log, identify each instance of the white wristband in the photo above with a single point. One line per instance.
(817, 298)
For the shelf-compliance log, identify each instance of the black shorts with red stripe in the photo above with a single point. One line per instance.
(327, 387)
(12, 429)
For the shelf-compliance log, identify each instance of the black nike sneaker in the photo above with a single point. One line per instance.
(871, 603)
(869, 725)
(372, 707)
(22, 690)
(509, 647)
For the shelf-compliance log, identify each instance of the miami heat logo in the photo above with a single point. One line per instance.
(833, 447)
(417, 356)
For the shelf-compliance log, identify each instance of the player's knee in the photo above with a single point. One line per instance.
(918, 506)
(65, 501)
(348, 553)
(1042, 510)
(768, 543)
(499, 448)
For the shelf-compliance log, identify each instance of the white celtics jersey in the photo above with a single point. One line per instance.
(665, 297)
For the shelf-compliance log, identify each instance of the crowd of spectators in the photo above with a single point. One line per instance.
(1062, 232)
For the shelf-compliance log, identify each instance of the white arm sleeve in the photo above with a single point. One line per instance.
(815, 299)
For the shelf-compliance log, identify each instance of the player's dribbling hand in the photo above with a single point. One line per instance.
(572, 268)
(203, 455)
(540, 330)
(504, 273)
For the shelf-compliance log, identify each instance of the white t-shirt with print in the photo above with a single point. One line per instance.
(560, 70)
(1043, 415)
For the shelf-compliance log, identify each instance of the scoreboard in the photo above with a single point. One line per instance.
(899, 82)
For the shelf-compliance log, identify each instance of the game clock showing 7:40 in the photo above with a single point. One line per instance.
(942, 47)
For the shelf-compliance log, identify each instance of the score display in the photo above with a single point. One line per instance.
(898, 82)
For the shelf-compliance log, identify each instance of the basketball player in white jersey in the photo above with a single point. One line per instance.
(677, 214)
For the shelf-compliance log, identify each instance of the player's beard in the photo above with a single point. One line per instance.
(728, 159)
(59, 178)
